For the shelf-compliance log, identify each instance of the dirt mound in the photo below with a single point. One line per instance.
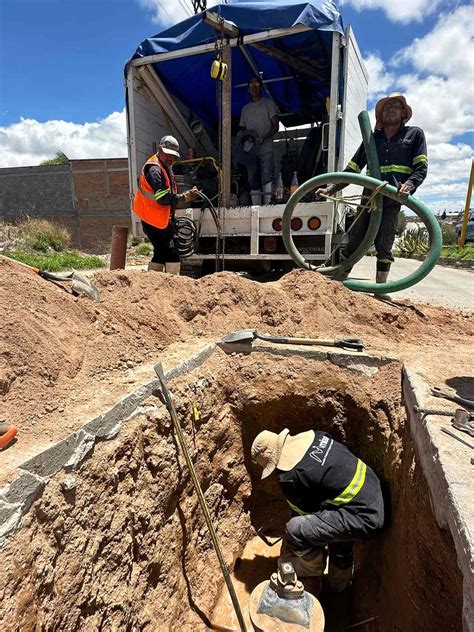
(59, 352)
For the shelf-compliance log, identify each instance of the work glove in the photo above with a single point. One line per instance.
(188, 196)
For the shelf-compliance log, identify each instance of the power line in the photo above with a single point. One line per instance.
(185, 7)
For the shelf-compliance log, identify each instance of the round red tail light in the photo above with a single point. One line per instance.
(276, 224)
(314, 223)
(296, 223)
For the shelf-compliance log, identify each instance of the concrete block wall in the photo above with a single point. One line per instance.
(85, 196)
(44, 192)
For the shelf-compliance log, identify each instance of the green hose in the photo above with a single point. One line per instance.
(417, 206)
(312, 184)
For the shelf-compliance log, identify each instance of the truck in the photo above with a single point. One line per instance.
(313, 70)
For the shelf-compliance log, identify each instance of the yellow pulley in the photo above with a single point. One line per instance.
(218, 69)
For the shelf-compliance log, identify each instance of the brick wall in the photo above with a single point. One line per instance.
(101, 194)
(86, 196)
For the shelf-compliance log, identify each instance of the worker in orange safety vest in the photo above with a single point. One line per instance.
(156, 199)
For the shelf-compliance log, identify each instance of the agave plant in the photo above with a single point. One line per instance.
(414, 242)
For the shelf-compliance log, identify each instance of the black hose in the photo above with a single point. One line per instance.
(186, 236)
(186, 233)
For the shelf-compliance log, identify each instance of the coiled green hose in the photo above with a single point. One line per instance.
(417, 206)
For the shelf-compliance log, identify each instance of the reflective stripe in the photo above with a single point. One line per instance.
(396, 168)
(161, 193)
(385, 260)
(420, 158)
(348, 494)
(295, 508)
(354, 166)
(353, 488)
(150, 196)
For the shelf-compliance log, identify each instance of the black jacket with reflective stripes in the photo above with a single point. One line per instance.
(329, 476)
(403, 157)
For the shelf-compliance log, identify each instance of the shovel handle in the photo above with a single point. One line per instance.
(353, 344)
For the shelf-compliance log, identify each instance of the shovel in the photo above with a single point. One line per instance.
(80, 284)
(247, 335)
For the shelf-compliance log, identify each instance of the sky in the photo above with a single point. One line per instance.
(61, 76)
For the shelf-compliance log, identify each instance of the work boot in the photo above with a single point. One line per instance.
(256, 198)
(267, 193)
(156, 267)
(310, 565)
(382, 277)
(173, 267)
(340, 578)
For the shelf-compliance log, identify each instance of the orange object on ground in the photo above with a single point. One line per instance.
(8, 436)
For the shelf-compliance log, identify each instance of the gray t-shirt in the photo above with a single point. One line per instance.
(257, 115)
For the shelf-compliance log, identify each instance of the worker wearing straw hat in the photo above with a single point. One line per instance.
(403, 162)
(335, 499)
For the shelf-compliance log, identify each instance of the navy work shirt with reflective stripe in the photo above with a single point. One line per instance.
(403, 157)
(322, 474)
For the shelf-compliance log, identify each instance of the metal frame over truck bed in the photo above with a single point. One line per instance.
(158, 105)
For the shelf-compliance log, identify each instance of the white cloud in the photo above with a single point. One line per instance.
(168, 12)
(29, 142)
(400, 10)
(436, 74)
(379, 79)
(448, 49)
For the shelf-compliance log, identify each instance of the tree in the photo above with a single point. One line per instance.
(59, 159)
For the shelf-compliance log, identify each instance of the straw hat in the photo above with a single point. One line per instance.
(381, 103)
(282, 451)
(267, 448)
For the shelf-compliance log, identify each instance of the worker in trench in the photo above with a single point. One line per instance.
(335, 498)
(155, 201)
(403, 159)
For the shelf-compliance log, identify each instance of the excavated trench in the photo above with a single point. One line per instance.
(121, 544)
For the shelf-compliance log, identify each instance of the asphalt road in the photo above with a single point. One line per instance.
(445, 286)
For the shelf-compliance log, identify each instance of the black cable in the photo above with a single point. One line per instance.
(186, 233)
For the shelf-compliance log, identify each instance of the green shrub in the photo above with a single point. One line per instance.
(135, 241)
(56, 261)
(413, 242)
(144, 249)
(42, 236)
(450, 235)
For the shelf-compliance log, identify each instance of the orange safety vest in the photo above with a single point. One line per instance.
(146, 203)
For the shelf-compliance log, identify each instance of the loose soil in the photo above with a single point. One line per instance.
(124, 545)
(64, 359)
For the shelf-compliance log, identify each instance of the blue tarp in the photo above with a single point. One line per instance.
(189, 80)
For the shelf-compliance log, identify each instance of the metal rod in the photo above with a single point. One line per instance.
(467, 207)
(451, 434)
(200, 495)
(210, 48)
